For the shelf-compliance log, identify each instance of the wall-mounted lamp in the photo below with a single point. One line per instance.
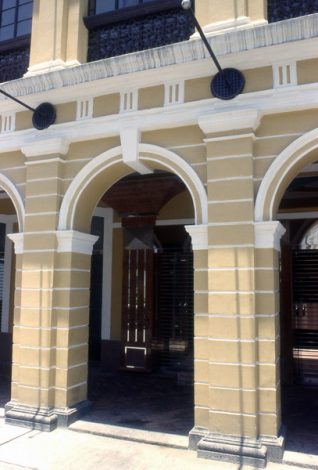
(44, 115)
(227, 83)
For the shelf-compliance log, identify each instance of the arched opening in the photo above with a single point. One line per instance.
(83, 210)
(10, 222)
(141, 309)
(288, 193)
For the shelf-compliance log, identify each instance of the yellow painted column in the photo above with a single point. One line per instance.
(71, 308)
(237, 404)
(50, 333)
(59, 37)
(232, 328)
(267, 251)
(225, 14)
(199, 238)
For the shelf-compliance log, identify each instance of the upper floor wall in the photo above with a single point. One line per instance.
(70, 32)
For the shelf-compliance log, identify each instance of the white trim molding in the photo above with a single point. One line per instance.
(50, 66)
(9, 187)
(199, 236)
(71, 241)
(18, 241)
(50, 146)
(229, 25)
(159, 157)
(233, 120)
(281, 172)
(268, 235)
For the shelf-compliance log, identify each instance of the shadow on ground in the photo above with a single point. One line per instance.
(153, 402)
(300, 416)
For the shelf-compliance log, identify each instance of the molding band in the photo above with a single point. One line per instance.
(268, 235)
(71, 241)
(230, 121)
(40, 148)
(199, 236)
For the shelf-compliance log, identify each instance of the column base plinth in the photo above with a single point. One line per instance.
(233, 449)
(44, 419)
(236, 449)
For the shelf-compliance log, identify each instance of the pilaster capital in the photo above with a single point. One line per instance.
(199, 236)
(71, 241)
(230, 121)
(44, 147)
(18, 241)
(268, 234)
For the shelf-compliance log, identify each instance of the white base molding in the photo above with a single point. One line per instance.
(50, 66)
(241, 22)
(44, 419)
(236, 449)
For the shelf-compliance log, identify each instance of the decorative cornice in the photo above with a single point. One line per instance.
(230, 46)
(41, 148)
(268, 234)
(71, 241)
(233, 120)
(199, 236)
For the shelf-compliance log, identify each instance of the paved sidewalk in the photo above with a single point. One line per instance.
(65, 449)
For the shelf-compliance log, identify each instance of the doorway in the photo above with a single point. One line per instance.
(141, 370)
(8, 224)
(299, 314)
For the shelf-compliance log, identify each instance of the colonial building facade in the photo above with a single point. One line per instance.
(153, 223)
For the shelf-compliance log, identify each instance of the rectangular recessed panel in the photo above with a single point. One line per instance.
(135, 358)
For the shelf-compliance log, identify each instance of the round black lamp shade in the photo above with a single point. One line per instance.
(227, 84)
(44, 116)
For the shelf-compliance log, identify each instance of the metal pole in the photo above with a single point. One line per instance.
(16, 100)
(204, 39)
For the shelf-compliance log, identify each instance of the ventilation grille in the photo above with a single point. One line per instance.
(305, 278)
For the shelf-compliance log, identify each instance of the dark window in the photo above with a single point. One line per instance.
(15, 18)
(96, 7)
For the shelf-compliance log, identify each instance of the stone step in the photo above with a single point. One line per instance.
(131, 434)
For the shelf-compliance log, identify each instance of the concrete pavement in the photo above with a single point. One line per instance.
(65, 449)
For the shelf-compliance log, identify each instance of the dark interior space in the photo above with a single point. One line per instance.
(147, 380)
(299, 316)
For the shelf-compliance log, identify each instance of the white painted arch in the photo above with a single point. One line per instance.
(9, 187)
(282, 171)
(147, 153)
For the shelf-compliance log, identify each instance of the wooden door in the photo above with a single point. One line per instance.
(137, 308)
